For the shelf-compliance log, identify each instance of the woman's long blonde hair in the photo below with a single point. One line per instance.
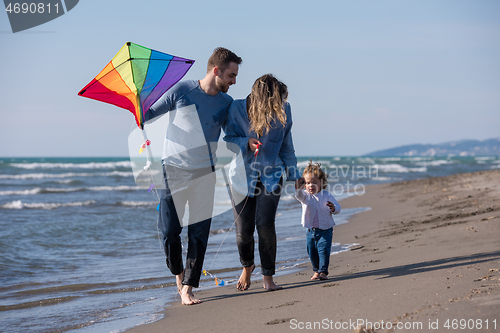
(266, 103)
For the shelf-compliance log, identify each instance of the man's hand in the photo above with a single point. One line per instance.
(253, 144)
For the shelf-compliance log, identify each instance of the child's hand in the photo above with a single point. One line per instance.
(331, 206)
(299, 183)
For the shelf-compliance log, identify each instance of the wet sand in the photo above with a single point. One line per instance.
(428, 256)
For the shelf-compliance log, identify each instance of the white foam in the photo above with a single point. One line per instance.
(391, 159)
(22, 192)
(288, 197)
(62, 190)
(65, 175)
(18, 204)
(116, 173)
(114, 188)
(303, 164)
(397, 168)
(137, 203)
(484, 158)
(339, 248)
(422, 169)
(417, 158)
(223, 203)
(39, 190)
(91, 165)
(382, 179)
(434, 163)
(66, 181)
(366, 160)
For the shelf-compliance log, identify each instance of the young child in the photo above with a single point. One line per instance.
(318, 207)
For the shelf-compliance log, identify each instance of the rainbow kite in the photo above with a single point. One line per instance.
(136, 78)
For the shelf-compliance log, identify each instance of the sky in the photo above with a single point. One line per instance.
(362, 75)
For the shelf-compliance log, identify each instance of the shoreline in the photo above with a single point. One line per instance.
(428, 255)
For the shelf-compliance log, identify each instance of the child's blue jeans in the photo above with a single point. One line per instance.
(319, 246)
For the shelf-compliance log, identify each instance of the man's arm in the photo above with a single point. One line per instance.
(166, 103)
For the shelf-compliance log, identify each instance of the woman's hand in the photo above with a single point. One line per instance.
(253, 144)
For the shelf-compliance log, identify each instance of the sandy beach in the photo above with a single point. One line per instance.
(428, 260)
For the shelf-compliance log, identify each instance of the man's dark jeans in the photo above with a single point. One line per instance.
(171, 227)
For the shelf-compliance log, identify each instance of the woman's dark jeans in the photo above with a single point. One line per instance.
(260, 212)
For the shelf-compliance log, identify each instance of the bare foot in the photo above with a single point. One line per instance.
(269, 284)
(315, 276)
(244, 280)
(178, 280)
(323, 276)
(187, 296)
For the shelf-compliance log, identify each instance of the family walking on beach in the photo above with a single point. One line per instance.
(260, 125)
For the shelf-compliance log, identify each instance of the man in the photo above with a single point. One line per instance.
(198, 110)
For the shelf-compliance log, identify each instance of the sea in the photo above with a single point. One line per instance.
(80, 248)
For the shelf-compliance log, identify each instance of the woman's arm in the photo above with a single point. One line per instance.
(287, 151)
(236, 127)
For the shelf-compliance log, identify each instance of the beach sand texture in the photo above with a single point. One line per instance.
(428, 256)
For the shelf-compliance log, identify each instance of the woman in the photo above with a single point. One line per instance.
(260, 125)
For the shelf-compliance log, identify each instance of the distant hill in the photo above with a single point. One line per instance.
(490, 147)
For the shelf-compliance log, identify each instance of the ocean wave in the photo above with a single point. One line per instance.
(289, 197)
(397, 168)
(40, 190)
(219, 231)
(66, 181)
(33, 191)
(303, 164)
(65, 175)
(417, 158)
(381, 179)
(137, 203)
(223, 203)
(114, 188)
(91, 165)
(434, 163)
(390, 159)
(485, 158)
(18, 204)
(366, 160)
(339, 248)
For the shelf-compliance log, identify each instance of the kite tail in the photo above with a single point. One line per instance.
(148, 148)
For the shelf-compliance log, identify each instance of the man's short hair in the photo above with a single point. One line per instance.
(221, 58)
